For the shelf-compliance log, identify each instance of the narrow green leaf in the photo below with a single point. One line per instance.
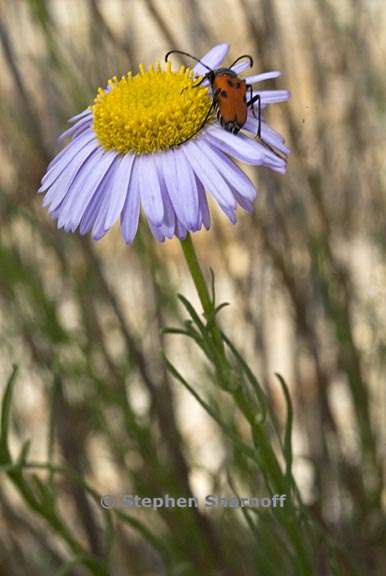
(287, 448)
(213, 287)
(247, 450)
(70, 564)
(195, 317)
(22, 458)
(250, 375)
(5, 455)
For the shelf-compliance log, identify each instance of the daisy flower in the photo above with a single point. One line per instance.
(142, 145)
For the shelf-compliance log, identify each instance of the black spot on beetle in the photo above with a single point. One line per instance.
(224, 94)
(238, 84)
(230, 83)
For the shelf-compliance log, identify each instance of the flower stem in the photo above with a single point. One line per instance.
(202, 290)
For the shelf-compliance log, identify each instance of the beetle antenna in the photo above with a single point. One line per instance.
(241, 57)
(186, 54)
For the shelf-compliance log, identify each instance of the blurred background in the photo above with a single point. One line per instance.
(305, 277)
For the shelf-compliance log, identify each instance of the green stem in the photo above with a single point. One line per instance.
(202, 291)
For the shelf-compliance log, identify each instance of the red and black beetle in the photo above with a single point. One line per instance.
(229, 95)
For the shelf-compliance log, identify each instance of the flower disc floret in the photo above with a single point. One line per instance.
(152, 111)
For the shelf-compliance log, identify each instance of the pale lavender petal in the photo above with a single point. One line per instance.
(251, 125)
(169, 221)
(120, 188)
(235, 177)
(275, 163)
(131, 208)
(114, 197)
(203, 201)
(59, 189)
(181, 185)
(267, 133)
(212, 59)
(181, 231)
(274, 135)
(56, 168)
(273, 138)
(86, 193)
(241, 66)
(188, 191)
(158, 235)
(150, 189)
(239, 146)
(81, 189)
(75, 141)
(245, 149)
(93, 208)
(272, 96)
(231, 215)
(244, 202)
(80, 115)
(206, 171)
(76, 128)
(55, 213)
(98, 229)
(261, 77)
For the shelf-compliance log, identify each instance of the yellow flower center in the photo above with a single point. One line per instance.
(154, 110)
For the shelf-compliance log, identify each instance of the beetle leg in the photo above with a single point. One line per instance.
(250, 103)
(212, 106)
(198, 84)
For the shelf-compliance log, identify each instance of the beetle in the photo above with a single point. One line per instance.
(229, 95)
